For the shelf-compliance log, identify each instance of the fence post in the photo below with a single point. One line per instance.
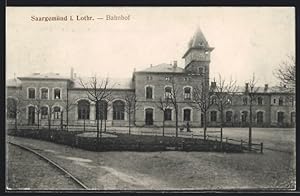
(241, 144)
(261, 147)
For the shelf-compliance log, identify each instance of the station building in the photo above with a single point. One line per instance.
(32, 99)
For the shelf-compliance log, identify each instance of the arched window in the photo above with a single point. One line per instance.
(259, 100)
(11, 108)
(168, 92)
(168, 114)
(187, 115)
(149, 92)
(118, 110)
(57, 93)
(83, 109)
(101, 110)
(244, 116)
(44, 112)
(187, 93)
(280, 117)
(260, 117)
(280, 101)
(56, 112)
(44, 93)
(228, 116)
(213, 116)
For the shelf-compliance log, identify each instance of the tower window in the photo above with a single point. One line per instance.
(187, 93)
(149, 92)
(200, 69)
(168, 92)
(280, 102)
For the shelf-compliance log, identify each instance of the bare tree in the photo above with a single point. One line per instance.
(286, 72)
(202, 101)
(130, 107)
(163, 105)
(224, 92)
(67, 105)
(15, 105)
(251, 91)
(97, 90)
(172, 96)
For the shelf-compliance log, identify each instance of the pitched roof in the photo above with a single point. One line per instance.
(44, 76)
(13, 82)
(198, 40)
(163, 68)
(271, 89)
(113, 83)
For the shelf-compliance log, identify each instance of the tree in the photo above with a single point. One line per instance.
(130, 106)
(163, 105)
(67, 105)
(172, 96)
(15, 106)
(251, 92)
(202, 101)
(286, 72)
(97, 90)
(224, 92)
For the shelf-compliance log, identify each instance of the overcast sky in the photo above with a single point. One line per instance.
(246, 40)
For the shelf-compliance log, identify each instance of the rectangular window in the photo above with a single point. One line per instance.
(56, 93)
(168, 114)
(280, 116)
(31, 93)
(187, 93)
(213, 116)
(274, 100)
(44, 93)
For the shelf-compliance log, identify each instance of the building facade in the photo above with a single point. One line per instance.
(40, 99)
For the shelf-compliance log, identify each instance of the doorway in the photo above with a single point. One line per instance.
(149, 116)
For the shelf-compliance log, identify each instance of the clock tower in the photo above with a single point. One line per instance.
(197, 57)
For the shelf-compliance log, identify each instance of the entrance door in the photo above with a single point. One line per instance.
(31, 115)
(149, 116)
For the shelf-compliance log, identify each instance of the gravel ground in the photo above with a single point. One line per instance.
(25, 171)
(175, 170)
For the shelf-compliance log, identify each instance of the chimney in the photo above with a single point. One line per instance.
(247, 87)
(150, 65)
(213, 85)
(72, 73)
(175, 64)
(134, 70)
(266, 88)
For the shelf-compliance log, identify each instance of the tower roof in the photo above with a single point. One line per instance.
(198, 40)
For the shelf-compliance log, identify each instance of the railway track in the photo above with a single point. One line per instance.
(54, 164)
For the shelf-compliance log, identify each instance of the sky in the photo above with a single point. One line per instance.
(247, 40)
